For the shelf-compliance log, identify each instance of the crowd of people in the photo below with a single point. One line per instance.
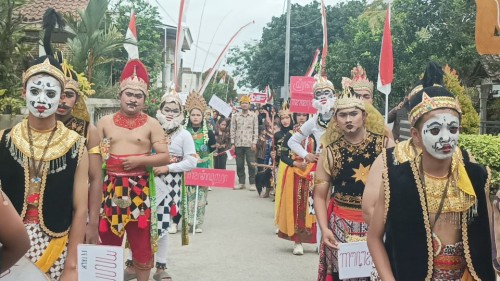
(338, 176)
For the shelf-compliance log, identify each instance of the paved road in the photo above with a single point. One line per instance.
(238, 244)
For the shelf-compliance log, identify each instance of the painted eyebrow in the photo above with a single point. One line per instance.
(452, 123)
(435, 123)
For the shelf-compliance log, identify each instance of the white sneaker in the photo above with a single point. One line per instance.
(277, 231)
(252, 187)
(198, 230)
(209, 189)
(240, 186)
(172, 229)
(298, 250)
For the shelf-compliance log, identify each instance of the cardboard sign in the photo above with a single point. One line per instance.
(24, 269)
(162, 189)
(258, 98)
(354, 260)
(98, 262)
(301, 85)
(221, 106)
(302, 103)
(210, 177)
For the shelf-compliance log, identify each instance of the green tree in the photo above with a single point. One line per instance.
(149, 33)
(224, 89)
(14, 55)
(96, 41)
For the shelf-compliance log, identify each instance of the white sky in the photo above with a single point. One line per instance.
(232, 13)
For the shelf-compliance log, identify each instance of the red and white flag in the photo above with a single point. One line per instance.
(310, 71)
(386, 62)
(230, 154)
(269, 95)
(132, 49)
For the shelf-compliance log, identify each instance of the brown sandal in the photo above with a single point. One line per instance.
(161, 276)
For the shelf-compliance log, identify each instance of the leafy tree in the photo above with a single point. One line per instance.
(223, 89)
(14, 54)
(95, 40)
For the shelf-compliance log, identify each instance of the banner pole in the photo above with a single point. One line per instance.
(386, 108)
(195, 210)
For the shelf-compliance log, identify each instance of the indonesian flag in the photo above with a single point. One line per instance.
(386, 63)
(230, 154)
(132, 49)
(310, 71)
(269, 95)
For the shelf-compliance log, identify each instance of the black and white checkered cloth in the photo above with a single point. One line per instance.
(174, 184)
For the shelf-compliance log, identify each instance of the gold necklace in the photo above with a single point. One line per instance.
(36, 170)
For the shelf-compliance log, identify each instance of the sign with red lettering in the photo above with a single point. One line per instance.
(354, 260)
(301, 94)
(99, 262)
(258, 98)
(210, 177)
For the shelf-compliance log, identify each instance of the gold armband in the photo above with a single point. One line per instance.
(320, 181)
(95, 150)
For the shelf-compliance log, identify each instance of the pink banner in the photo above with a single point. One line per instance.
(301, 85)
(210, 177)
(301, 103)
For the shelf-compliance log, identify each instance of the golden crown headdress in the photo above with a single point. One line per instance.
(82, 87)
(348, 98)
(195, 100)
(321, 83)
(285, 109)
(432, 103)
(360, 80)
(44, 67)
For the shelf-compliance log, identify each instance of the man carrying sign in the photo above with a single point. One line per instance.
(352, 144)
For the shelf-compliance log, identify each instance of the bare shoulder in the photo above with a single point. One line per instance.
(104, 120)
(153, 122)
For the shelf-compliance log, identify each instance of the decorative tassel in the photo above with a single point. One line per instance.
(173, 210)
(142, 222)
(103, 226)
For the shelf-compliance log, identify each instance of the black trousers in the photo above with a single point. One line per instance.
(220, 161)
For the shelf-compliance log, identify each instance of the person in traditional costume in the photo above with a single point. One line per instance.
(182, 159)
(73, 112)
(286, 124)
(350, 145)
(204, 142)
(324, 102)
(44, 168)
(436, 200)
(129, 195)
(294, 220)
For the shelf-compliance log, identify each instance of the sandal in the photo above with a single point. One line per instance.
(129, 276)
(161, 276)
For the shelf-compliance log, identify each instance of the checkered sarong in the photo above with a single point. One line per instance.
(174, 184)
(39, 243)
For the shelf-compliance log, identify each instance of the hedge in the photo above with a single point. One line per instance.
(486, 150)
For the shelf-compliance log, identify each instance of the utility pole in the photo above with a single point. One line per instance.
(287, 52)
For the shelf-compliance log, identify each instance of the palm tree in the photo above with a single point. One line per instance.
(95, 40)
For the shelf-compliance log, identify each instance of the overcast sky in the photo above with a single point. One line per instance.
(230, 14)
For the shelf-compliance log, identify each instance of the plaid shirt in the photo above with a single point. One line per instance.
(244, 129)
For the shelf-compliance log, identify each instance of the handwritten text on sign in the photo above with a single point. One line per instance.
(97, 262)
(210, 177)
(354, 260)
(301, 85)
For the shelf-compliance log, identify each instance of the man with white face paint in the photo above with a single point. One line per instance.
(350, 145)
(44, 169)
(437, 200)
(182, 159)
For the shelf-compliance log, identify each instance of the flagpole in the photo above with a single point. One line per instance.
(287, 52)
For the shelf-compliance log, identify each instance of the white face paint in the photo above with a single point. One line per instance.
(324, 101)
(170, 116)
(42, 95)
(440, 135)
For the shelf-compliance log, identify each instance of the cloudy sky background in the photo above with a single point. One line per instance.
(231, 15)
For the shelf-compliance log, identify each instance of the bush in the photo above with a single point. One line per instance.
(486, 150)
(470, 118)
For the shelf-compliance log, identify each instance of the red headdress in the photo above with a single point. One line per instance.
(135, 76)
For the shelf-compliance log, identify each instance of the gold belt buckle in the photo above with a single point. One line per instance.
(123, 202)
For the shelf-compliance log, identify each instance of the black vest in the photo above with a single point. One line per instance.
(57, 201)
(406, 235)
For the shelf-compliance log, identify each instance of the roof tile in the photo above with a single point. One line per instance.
(33, 10)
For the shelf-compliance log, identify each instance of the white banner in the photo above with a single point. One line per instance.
(221, 106)
(354, 260)
(98, 262)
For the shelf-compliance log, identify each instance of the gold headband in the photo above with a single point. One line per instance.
(428, 104)
(47, 68)
(348, 99)
(134, 83)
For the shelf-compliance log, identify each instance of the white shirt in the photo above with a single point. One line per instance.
(309, 128)
(182, 145)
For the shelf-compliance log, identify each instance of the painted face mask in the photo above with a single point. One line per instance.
(170, 116)
(42, 95)
(324, 100)
(440, 135)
